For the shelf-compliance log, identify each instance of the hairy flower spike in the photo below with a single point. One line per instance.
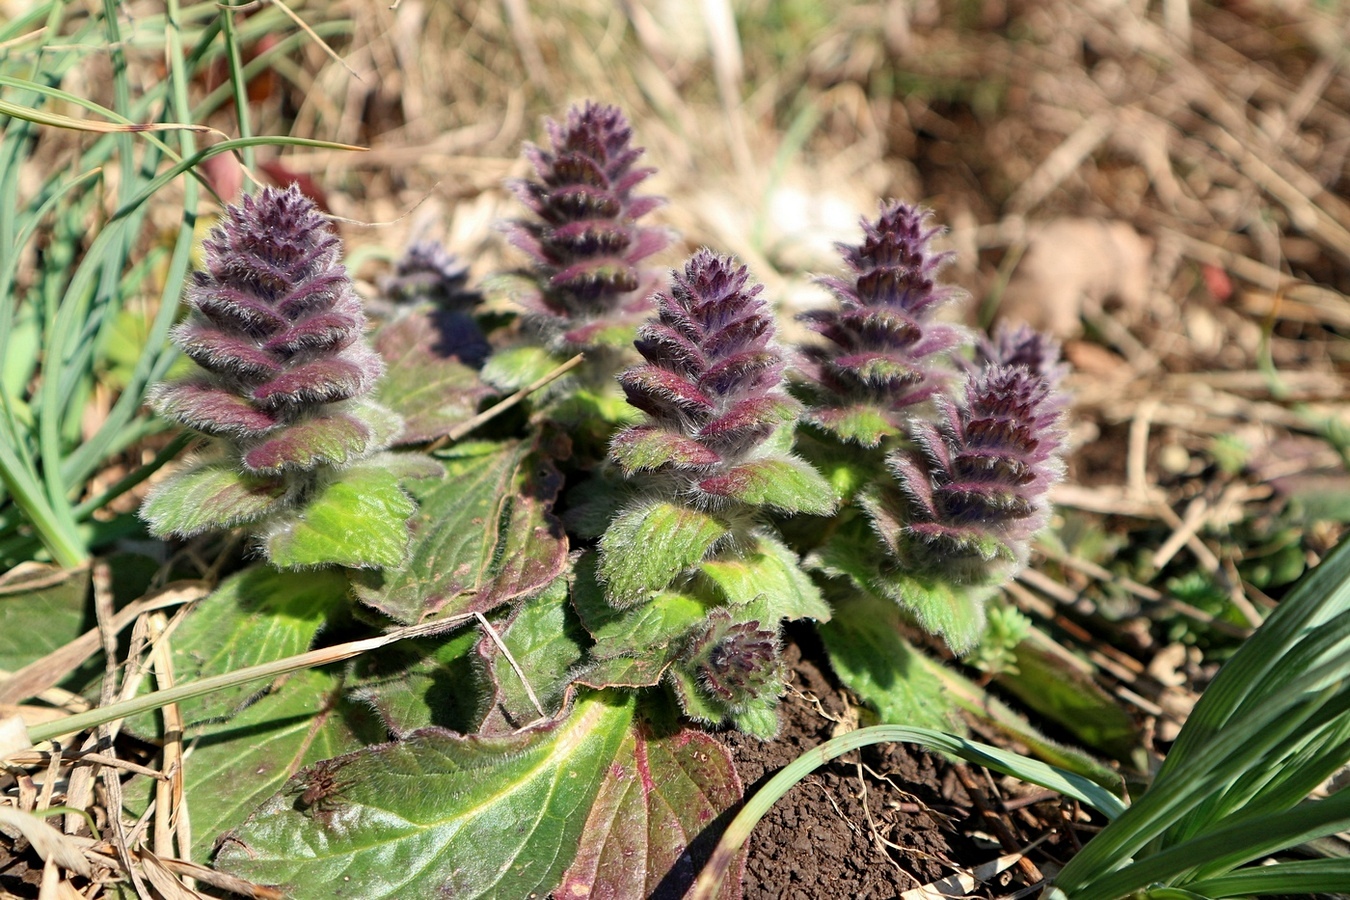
(277, 332)
(1021, 345)
(275, 326)
(586, 241)
(427, 271)
(712, 385)
(883, 347)
(976, 487)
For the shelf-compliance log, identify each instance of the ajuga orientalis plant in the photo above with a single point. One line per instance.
(282, 369)
(965, 486)
(610, 565)
(710, 460)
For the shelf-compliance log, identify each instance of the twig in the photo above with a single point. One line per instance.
(486, 415)
(520, 673)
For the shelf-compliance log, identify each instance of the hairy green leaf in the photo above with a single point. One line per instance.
(515, 367)
(860, 424)
(651, 627)
(258, 615)
(439, 814)
(871, 657)
(782, 482)
(430, 681)
(236, 765)
(359, 520)
(210, 495)
(768, 576)
(650, 545)
(429, 377)
(545, 640)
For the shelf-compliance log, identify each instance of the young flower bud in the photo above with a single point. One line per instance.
(1020, 345)
(975, 489)
(586, 241)
(734, 663)
(884, 350)
(427, 271)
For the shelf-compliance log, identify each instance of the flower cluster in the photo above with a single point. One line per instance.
(712, 384)
(884, 350)
(585, 241)
(734, 663)
(427, 271)
(277, 333)
(975, 487)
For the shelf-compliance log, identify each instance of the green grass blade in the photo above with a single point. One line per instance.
(1285, 878)
(1228, 847)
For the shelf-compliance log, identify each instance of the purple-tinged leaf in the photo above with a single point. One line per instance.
(331, 440)
(210, 495)
(235, 356)
(430, 377)
(471, 521)
(519, 811)
(660, 795)
(644, 448)
(200, 404)
(322, 380)
(782, 482)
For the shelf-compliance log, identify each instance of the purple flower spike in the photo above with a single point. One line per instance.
(883, 347)
(428, 271)
(275, 322)
(975, 489)
(734, 663)
(586, 241)
(1021, 345)
(712, 385)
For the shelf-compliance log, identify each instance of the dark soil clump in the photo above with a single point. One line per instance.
(820, 840)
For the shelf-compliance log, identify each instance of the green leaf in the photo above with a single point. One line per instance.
(256, 616)
(484, 535)
(769, 576)
(650, 545)
(333, 440)
(210, 495)
(871, 657)
(782, 482)
(860, 424)
(651, 627)
(430, 681)
(647, 447)
(546, 641)
(955, 612)
(427, 379)
(443, 815)
(626, 671)
(1067, 694)
(512, 368)
(508, 292)
(659, 794)
(359, 520)
(236, 765)
(43, 608)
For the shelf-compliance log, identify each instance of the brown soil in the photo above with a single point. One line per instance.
(874, 823)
